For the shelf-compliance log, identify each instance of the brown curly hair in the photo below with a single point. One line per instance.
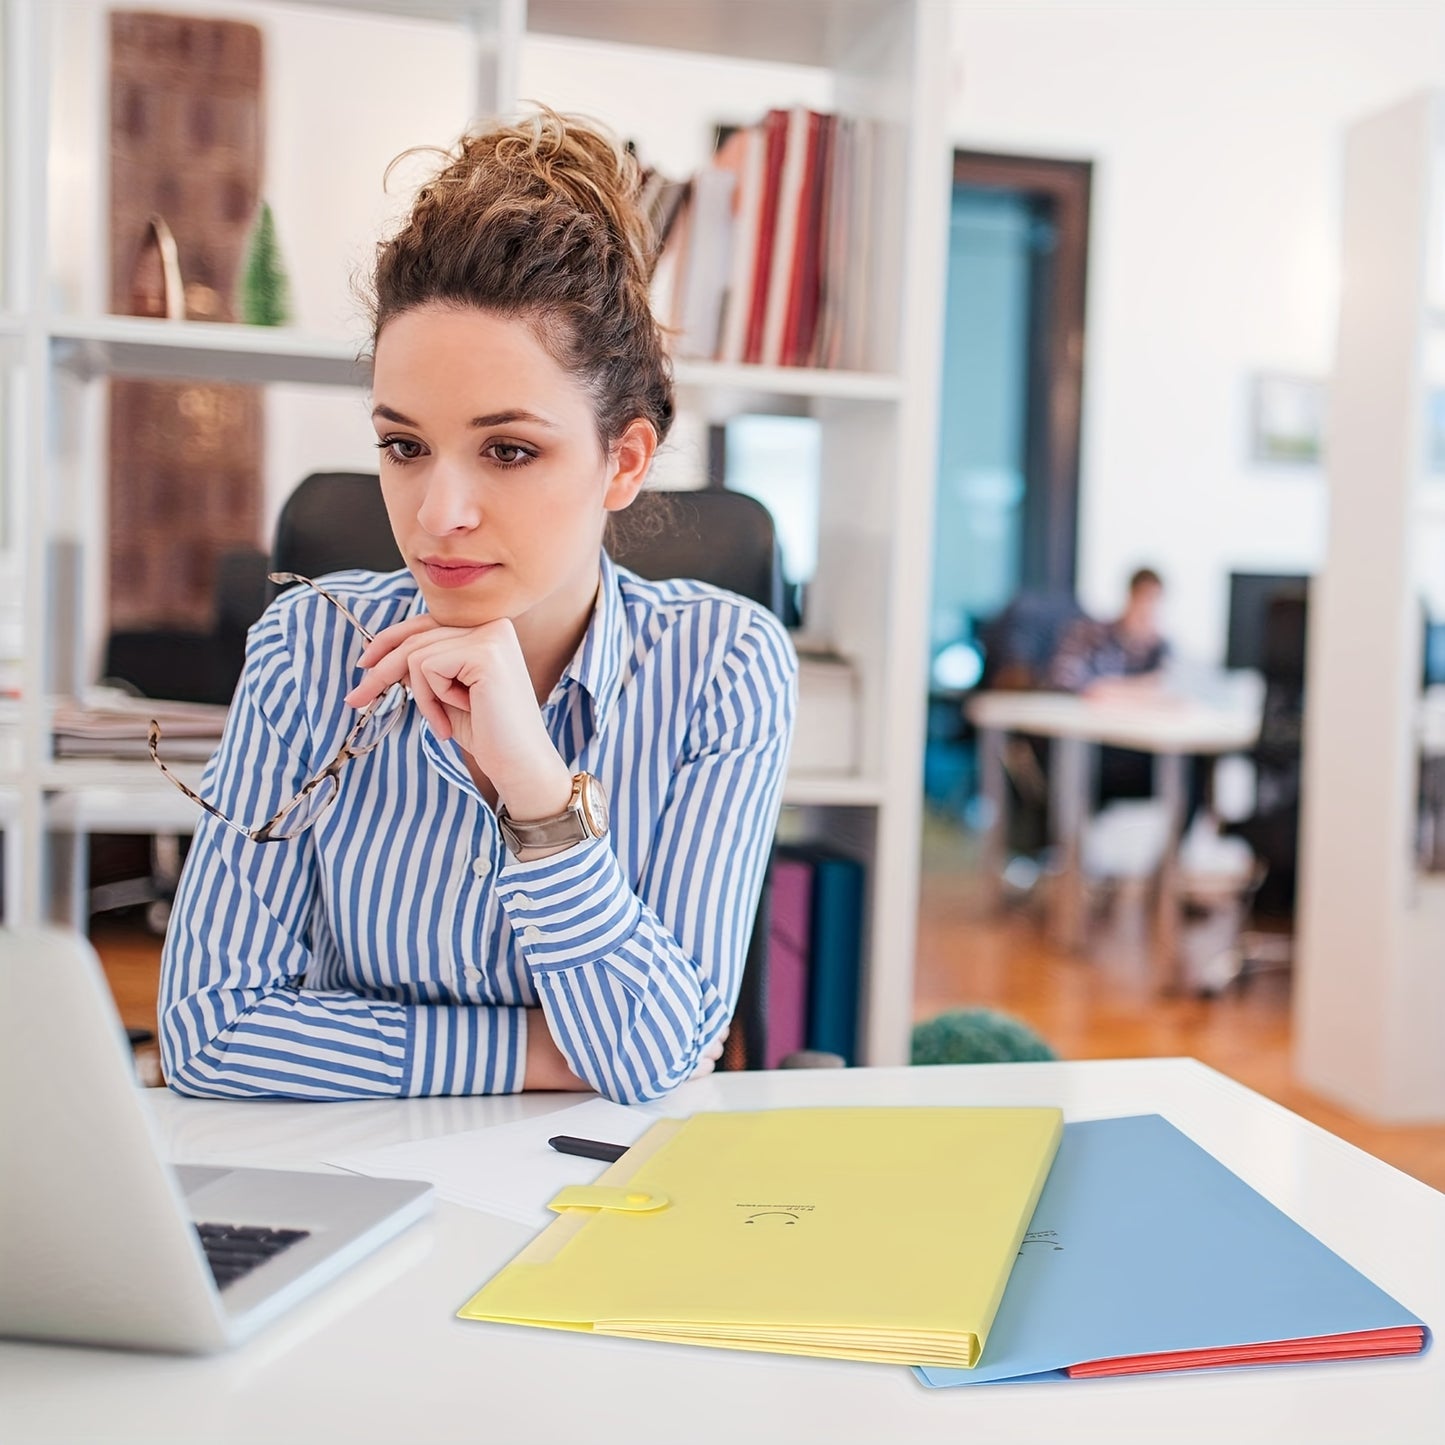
(541, 220)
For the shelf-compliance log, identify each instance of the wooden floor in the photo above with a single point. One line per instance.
(1086, 1007)
(1099, 1006)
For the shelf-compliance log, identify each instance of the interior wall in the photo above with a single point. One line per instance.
(1215, 132)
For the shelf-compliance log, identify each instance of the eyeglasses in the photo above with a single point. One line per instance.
(377, 720)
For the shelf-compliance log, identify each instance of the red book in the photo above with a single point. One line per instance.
(802, 323)
(790, 218)
(775, 135)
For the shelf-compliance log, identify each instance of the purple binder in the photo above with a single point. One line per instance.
(789, 942)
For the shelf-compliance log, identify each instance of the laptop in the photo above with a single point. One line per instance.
(101, 1241)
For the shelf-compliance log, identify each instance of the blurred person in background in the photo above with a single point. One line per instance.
(1100, 659)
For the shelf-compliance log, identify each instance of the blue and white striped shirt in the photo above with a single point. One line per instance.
(394, 947)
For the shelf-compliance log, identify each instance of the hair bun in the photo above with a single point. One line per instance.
(576, 159)
(542, 218)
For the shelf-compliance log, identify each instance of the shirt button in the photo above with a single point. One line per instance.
(522, 900)
(481, 865)
(531, 935)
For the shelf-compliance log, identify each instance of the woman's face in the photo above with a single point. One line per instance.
(494, 479)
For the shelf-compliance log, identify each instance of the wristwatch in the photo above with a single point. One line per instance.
(585, 816)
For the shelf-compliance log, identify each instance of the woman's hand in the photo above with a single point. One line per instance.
(472, 684)
(548, 1070)
(711, 1056)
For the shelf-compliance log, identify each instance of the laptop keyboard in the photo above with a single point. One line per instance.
(234, 1250)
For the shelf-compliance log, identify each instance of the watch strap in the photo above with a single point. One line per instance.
(541, 836)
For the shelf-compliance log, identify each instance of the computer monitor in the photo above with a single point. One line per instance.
(1250, 595)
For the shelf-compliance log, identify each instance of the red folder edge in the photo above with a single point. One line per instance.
(1362, 1345)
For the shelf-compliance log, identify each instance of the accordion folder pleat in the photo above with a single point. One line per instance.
(880, 1234)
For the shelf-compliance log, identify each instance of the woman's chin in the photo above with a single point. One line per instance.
(455, 609)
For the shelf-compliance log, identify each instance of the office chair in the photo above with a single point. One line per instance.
(1272, 829)
(335, 520)
(1018, 645)
(1020, 642)
(195, 664)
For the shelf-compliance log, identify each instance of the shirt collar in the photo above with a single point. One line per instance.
(596, 666)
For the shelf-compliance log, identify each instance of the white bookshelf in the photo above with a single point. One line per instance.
(101, 346)
(881, 59)
(1370, 989)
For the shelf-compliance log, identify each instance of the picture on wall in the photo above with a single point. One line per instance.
(1287, 419)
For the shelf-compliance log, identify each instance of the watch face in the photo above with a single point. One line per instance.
(594, 801)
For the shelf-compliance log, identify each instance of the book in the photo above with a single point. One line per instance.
(802, 308)
(775, 137)
(747, 207)
(792, 180)
(1146, 1254)
(837, 935)
(703, 283)
(790, 926)
(854, 298)
(837, 239)
(881, 1234)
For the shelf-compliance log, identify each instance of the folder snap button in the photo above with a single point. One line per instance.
(595, 1197)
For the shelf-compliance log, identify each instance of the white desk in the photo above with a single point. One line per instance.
(382, 1358)
(1171, 728)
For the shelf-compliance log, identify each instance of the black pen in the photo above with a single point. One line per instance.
(587, 1148)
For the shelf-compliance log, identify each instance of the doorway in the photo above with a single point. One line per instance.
(1006, 498)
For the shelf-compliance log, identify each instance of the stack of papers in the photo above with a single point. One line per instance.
(110, 724)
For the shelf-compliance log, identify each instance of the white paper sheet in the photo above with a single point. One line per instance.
(507, 1169)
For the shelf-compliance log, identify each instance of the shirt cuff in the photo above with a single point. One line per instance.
(571, 908)
(466, 1049)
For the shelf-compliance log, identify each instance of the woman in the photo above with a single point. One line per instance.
(460, 917)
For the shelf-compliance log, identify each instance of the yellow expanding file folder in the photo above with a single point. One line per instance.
(864, 1234)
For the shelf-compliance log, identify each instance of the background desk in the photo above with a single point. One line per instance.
(380, 1357)
(1170, 728)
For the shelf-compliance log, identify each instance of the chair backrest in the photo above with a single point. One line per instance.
(1020, 642)
(332, 521)
(335, 520)
(717, 536)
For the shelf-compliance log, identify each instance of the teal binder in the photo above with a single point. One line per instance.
(836, 948)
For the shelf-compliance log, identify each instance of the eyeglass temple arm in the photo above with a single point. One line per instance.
(286, 578)
(195, 797)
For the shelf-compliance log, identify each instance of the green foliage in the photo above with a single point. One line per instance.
(265, 291)
(977, 1036)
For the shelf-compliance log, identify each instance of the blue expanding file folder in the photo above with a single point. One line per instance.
(1145, 1245)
